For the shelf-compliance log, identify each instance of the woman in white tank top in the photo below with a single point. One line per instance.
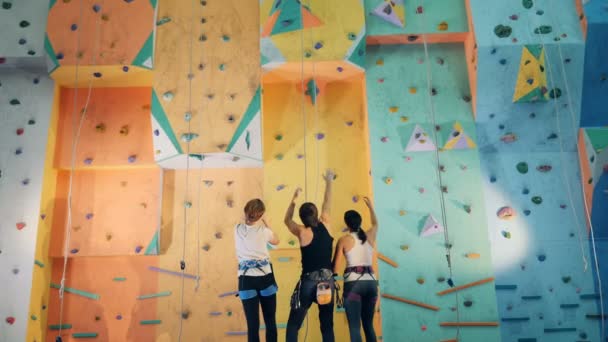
(360, 285)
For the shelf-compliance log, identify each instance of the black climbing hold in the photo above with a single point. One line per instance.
(125, 68)
(18, 151)
(31, 52)
(22, 41)
(552, 136)
(58, 339)
(412, 38)
(203, 3)
(540, 12)
(555, 93)
(433, 91)
(592, 159)
(6, 5)
(543, 29)
(96, 8)
(468, 303)
(527, 4)
(466, 98)
(59, 56)
(567, 60)
(451, 282)
(31, 122)
(36, 80)
(566, 279)
(185, 314)
(501, 126)
(502, 61)
(532, 115)
(15, 102)
(24, 23)
(203, 20)
(202, 38)
(182, 265)
(503, 31)
(493, 52)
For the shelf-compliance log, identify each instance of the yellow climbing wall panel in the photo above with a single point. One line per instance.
(336, 137)
(325, 41)
(531, 79)
(223, 38)
(39, 295)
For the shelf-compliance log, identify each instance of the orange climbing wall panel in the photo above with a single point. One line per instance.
(116, 298)
(125, 211)
(586, 173)
(225, 66)
(111, 113)
(218, 265)
(123, 30)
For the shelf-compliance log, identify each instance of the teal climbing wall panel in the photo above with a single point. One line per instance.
(406, 191)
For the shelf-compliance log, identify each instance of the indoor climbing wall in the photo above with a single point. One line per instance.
(26, 97)
(593, 134)
(105, 243)
(206, 98)
(405, 133)
(529, 74)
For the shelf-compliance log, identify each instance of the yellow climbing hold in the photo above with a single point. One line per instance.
(473, 255)
(443, 26)
(402, 212)
(388, 180)
(404, 247)
(404, 119)
(420, 280)
(393, 109)
(380, 61)
(413, 90)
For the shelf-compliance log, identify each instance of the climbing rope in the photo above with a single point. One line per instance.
(431, 104)
(83, 114)
(566, 180)
(186, 204)
(303, 98)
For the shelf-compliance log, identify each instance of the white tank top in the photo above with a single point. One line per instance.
(362, 254)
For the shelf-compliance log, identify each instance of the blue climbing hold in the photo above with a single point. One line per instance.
(527, 212)
(492, 179)
(503, 61)
(74, 27)
(96, 8)
(59, 56)
(542, 257)
(125, 68)
(97, 74)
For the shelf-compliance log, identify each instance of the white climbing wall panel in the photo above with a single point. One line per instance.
(25, 110)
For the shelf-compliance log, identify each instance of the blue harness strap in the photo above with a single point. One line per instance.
(247, 294)
(269, 291)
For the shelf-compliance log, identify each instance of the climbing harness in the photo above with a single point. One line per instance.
(83, 114)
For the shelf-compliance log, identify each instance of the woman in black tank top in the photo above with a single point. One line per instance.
(316, 284)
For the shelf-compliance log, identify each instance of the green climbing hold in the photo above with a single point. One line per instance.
(292, 242)
(522, 167)
(506, 235)
(543, 29)
(226, 38)
(229, 313)
(352, 36)
(278, 137)
(15, 102)
(566, 279)
(502, 31)
(222, 67)
(308, 54)
(279, 156)
(527, 4)
(33, 318)
(6, 5)
(24, 23)
(163, 21)
(537, 200)
(555, 93)
(590, 181)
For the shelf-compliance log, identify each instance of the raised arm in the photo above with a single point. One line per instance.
(373, 231)
(329, 177)
(293, 227)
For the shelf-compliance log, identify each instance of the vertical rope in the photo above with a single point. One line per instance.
(68, 227)
(446, 233)
(186, 207)
(303, 99)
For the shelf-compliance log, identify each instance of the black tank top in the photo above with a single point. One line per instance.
(317, 255)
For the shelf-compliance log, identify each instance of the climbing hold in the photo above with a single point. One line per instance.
(132, 158)
(412, 38)
(543, 29)
(508, 138)
(24, 23)
(230, 203)
(320, 136)
(187, 137)
(544, 168)
(138, 249)
(552, 136)
(118, 317)
(89, 216)
(506, 213)
(25, 181)
(492, 179)
(340, 69)
(444, 189)
(413, 90)
(555, 93)
(18, 152)
(187, 204)
(187, 116)
(318, 45)
(6, 5)
(404, 247)
(402, 212)
(502, 61)
(468, 303)
(96, 8)
(168, 96)
(352, 36)
(384, 139)
(278, 137)
(419, 10)
(20, 131)
(74, 27)
(503, 31)
(421, 190)
(443, 26)
(525, 191)
(20, 225)
(380, 61)
(307, 54)
(74, 251)
(222, 67)
(541, 257)
(466, 98)
(15, 102)
(513, 17)
(527, 212)
(97, 74)
(473, 255)
(124, 130)
(566, 279)
(206, 247)
(467, 208)
(388, 180)
(292, 242)
(420, 280)
(522, 167)
(10, 320)
(280, 187)
(562, 206)
(218, 235)
(433, 91)
(393, 109)
(527, 4)
(506, 235)
(537, 200)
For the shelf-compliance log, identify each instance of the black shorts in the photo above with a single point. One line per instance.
(251, 287)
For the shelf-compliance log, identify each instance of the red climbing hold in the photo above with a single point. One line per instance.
(20, 225)
(10, 320)
(20, 131)
(2, 60)
(419, 10)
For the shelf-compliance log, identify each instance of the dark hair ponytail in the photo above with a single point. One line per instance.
(309, 215)
(353, 221)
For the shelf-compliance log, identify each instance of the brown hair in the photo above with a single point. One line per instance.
(254, 209)
(309, 215)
